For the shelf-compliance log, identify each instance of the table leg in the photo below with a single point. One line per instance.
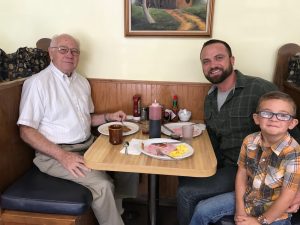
(153, 198)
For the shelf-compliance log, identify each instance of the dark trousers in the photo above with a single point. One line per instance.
(192, 190)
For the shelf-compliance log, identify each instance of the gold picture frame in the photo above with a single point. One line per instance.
(168, 17)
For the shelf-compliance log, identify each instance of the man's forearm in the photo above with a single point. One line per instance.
(280, 205)
(40, 143)
(97, 119)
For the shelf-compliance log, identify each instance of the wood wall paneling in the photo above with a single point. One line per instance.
(113, 95)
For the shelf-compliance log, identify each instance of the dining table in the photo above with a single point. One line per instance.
(102, 155)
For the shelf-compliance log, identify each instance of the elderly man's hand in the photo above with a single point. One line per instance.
(74, 163)
(117, 116)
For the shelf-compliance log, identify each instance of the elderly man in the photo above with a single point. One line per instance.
(56, 114)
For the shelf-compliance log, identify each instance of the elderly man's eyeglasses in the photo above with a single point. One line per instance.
(64, 50)
(279, 116)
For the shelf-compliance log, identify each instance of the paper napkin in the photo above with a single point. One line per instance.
(134, 147)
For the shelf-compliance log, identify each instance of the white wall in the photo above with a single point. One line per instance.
(254, 28)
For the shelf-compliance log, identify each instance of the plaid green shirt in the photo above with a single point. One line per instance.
(268, 169)
(228, 127)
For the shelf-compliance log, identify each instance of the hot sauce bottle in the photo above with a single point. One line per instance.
(175, 108)
(154, 120)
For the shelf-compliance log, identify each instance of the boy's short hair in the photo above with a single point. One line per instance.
(278, 95)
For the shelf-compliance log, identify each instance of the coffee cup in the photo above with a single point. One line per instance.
(115, 134)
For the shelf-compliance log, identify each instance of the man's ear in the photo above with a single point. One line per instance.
(50, 51)
(293, 123)
(232, 59)
(255, 118)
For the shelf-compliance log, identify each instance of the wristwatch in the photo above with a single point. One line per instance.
(262, 220)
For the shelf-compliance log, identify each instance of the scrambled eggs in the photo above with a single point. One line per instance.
(180, 150)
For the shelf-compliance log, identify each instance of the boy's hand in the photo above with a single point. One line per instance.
(293, 208)
(246, 220)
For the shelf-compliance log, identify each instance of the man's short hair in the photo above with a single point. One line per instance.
(214, 41)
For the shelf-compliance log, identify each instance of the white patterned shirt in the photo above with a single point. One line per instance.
(57, 106)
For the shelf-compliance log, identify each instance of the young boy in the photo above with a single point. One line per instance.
(268, 170)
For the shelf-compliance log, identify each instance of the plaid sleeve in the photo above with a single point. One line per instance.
(242, 157)
(292, 165)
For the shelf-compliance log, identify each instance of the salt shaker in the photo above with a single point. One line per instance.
(154, 120)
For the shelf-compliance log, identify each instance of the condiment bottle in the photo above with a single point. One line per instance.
(144, 120)
(154, 120)
(175, 108)
(136, 107)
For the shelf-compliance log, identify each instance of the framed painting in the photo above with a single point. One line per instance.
(168, 17)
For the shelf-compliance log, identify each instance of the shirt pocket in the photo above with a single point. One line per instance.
(242, 108)
(240, 119)
(274, 177)
(241, 114)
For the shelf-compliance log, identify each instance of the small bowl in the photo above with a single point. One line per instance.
(184, 115)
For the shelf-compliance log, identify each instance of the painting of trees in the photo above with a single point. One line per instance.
(167, 16)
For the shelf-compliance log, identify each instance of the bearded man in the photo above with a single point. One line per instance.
(228, 110)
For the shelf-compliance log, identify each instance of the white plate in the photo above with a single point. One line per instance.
(198, 128)
(103, 129)
(189, 152)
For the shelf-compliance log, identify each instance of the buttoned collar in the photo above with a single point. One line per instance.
(240, 82)
(62, 76)
(277, 147)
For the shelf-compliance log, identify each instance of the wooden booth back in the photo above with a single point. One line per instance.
(112, 95)
(281, 73)
(16, 156)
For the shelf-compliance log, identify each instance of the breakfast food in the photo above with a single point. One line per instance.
(172, 150)
(179, 151)
(126, 129)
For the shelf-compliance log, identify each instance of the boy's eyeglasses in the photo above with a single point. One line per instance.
(279, 116)
(64, 50)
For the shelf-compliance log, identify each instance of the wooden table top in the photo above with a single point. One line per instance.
(104, 156)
